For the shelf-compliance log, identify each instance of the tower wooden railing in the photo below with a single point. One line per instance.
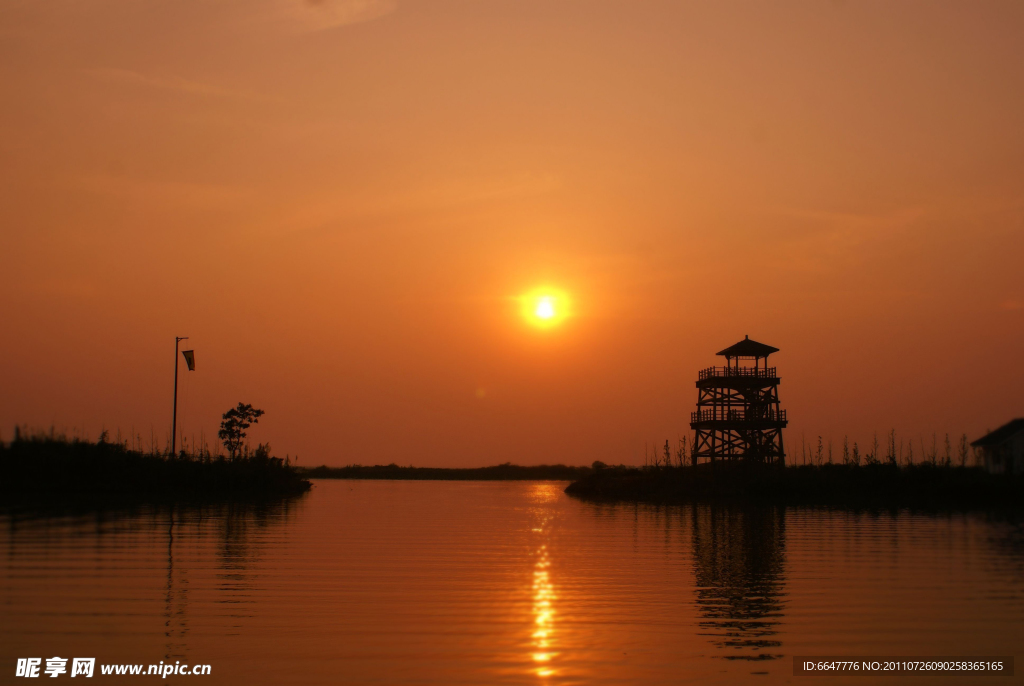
(759, 373)
(722, 414)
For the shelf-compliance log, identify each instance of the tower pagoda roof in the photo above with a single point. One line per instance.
(748, 348)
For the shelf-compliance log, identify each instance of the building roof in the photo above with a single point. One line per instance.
(748, 348)
(1001, 434)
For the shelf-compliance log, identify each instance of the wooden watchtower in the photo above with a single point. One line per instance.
(738, 414)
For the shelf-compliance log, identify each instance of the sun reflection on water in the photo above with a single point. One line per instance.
(543, 614)
(543, 594)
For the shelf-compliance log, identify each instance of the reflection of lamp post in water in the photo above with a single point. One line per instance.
(190, 360)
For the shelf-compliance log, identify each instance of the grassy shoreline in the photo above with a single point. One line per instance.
(52, 469)
(923, 486)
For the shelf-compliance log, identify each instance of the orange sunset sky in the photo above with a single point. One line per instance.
(341, 202)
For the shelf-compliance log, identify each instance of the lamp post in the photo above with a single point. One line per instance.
(174, 415)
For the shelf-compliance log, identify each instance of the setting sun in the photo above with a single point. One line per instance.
(545, 307)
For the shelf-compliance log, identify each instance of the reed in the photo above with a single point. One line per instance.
(39, 466)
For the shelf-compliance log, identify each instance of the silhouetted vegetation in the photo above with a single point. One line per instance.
(876, 484)
(233, 425)
(48, 466)
(501, 472)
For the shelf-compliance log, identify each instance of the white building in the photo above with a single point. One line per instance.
(1002, 450)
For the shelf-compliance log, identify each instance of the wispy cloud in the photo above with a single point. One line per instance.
(853, 227)
(64, 287)
(319, 15)
(165, 193)
(1012, 304)
(324, 210)
(170, 83)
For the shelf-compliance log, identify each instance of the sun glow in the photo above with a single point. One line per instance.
(545, 308)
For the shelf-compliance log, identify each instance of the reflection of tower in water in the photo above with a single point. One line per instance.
(738, 556)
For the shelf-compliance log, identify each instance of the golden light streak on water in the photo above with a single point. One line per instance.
(543, 613)
(543, 595)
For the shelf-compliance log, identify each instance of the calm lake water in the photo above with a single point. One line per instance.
(389, 582)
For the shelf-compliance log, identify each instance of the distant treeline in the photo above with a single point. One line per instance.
(876, 485)
(501, 472)
(48, 466)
